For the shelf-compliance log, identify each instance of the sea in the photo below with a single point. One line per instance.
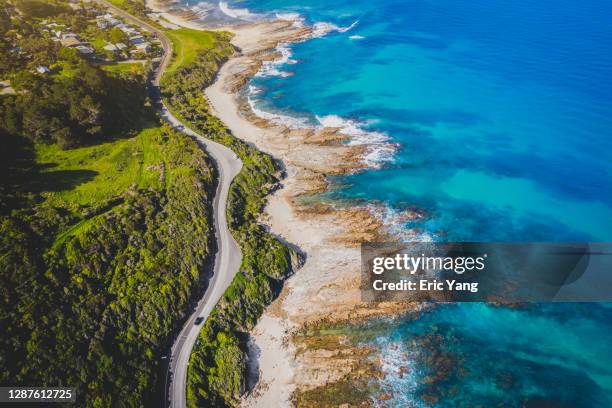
(494, 120)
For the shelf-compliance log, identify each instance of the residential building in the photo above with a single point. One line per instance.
(137, 39)
(84, 49)
(111, 48)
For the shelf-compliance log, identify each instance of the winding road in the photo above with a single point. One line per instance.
(228, 257)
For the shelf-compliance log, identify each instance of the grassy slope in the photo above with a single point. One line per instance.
(102, 260)
(118, 3)
(98, 175)
(134, 67)
(100, 172)
(187, 43)
(145, 248)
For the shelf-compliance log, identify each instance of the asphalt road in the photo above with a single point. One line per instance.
(227, 262)
(228, 257)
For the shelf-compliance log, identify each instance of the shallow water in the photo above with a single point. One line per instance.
(503, 114)
(480, 355)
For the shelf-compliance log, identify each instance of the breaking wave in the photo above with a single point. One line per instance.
(240, 14)
(380, 149)
(322, 29)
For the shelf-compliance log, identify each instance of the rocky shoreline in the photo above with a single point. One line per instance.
(327, 287)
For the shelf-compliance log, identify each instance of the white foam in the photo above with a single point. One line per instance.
(379, 151)
(298, 20)
(240, 14)
(356, 37)
(275, 118)
(321, 29)
(396, 357)
(394, 222)
(271, 68)
(202, 9)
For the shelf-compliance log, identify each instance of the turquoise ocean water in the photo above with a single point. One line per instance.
(500, 118)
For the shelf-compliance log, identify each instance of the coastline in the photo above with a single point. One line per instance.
(326, 287)
(181, 16)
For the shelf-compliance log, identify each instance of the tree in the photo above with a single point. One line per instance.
(117, 36)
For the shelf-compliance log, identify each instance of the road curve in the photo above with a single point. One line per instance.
(227, 263)
(228, 257)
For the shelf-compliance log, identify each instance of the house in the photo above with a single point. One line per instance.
(121, 46)
(112, 21)
(127, 29)
(111, 48)
(102, 23)
(84, 49)
(135, 53)
(144, 47)
(69, 35)
(71, 42)
(137, 39)
(41, 69)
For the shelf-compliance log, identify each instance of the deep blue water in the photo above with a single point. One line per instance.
(503, 109)
(503, 115)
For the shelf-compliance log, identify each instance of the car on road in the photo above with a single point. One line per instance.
(198, 320)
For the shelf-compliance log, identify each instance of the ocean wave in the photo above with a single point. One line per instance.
(379, 149)
(356, 37)
(291, 122)
(271, 68)
(400, 379)
(395, 222)
(203, 9)
(321, 29)
(239, 14)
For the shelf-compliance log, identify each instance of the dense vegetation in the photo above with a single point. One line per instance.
(84, 108)
(105, 228)
(135, 7)
(217, 370)
(92, 301)
(105, 223)
(41, 8)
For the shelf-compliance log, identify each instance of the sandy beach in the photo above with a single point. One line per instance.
(326, 287)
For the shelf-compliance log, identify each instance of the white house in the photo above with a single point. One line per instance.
(69, 35)
(41, 69)
(111, 48)
(102, 23)
(84, 49)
